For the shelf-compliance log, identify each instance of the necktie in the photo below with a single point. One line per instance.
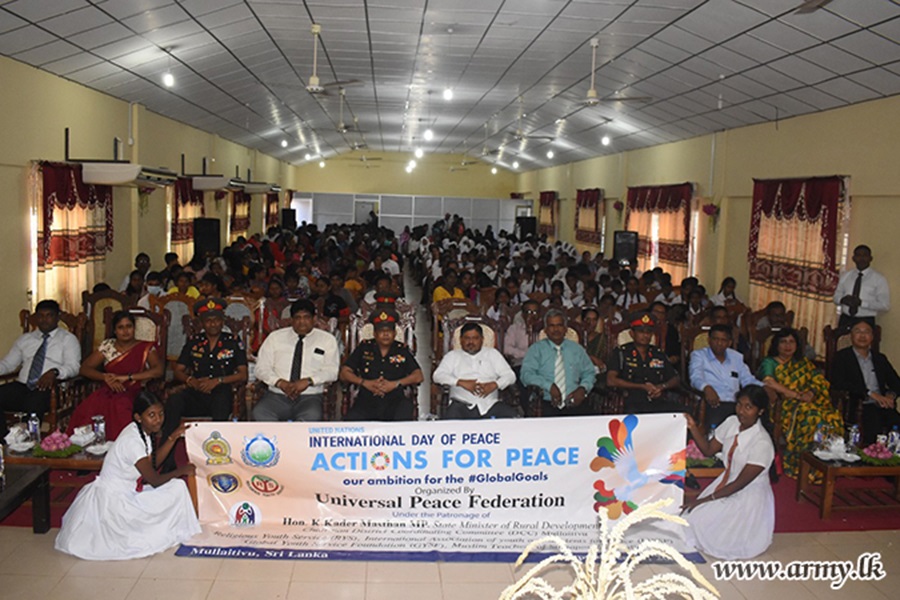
(559, 372)
(857, 286)
(724, 481)
(37, 364)
(298, 360)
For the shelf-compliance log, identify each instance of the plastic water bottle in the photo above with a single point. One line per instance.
(893, 441)
(853, 437)
(2, 466)
(34, 428)
(712, 433)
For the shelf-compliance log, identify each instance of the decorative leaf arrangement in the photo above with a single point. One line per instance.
(602, 576)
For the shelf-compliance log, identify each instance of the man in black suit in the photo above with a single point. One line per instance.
(868, 374)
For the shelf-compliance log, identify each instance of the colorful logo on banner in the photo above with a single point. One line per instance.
(217, 449)
(260, 451)
(264, 485)
(624, 470)
(224, 483)
(245, 514)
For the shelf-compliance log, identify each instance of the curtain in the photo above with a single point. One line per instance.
(74, 232)
(240, 214)
(794, 232)
(187, 205)
(667, 243)
(547, 214)
(272, 207)
(589, 214)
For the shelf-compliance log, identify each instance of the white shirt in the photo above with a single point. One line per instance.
(391, 266)
(627, 300)
(485, 366)
(63, 354)
(320, 359)
(874, 292)
(672, 298)
(720, 299)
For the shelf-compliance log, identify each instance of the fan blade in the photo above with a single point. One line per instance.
(627, 99)
(348, 83)
(810, 6)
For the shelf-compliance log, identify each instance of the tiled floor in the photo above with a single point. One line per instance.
(31, 569)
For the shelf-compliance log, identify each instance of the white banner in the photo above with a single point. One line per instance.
(449, 490)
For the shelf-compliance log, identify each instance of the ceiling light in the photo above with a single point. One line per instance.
(408, 169)
(448, 94)
(168, 79)
(428, 135)
(284, 143)
(549, 153)
(411, 164)
(321, 164)
(605, 140)
(419, 153)
(493, 170)
(515, 164)
(307, 156)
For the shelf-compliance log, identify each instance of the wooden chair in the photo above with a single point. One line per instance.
(448, 308)
(179, 306)
(67, 393)
(761, 338)
(95, 305)
(836, 339)
(486, 298)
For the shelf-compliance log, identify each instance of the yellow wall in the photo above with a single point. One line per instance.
(862, 141)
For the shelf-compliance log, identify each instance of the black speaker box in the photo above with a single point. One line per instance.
(625, 247)
(288, 218)
(206, 237)
(526, 226)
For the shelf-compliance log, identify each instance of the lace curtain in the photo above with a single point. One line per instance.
(187, 205)
(794, 231)
(240, 214)
(661, 216)
(589, 214)
(74, 232)
(547, 214)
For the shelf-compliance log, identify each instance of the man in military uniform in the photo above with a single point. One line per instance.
(382, 368)
(644, 371)
(209, 364)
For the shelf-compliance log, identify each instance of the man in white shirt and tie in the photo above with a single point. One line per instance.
(475, 375)
(296, 362)
(42, 356)
(862, 292)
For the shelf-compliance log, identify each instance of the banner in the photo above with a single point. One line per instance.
(430, 490)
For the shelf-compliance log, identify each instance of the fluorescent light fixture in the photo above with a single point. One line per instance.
(419, 153)
(605, 140)
(428, 135)
(448, 94)
(549, 153)
(168, 79)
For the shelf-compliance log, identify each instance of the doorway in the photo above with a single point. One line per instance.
(361, 210)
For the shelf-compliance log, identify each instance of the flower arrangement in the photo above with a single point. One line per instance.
(601, 576)
(878, 454)
(619, 206)
(56, 445)
(712, 211)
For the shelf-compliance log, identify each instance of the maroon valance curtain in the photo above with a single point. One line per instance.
(660, 198)
(589, 201)
(516, 196)
(183, 219)
(240, 212)
(548, 207)
(272, 206)
(64, 189)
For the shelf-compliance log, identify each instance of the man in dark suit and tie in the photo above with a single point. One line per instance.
(867, 375)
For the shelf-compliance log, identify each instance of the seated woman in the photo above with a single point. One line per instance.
(596, 341)
(131, 510)
(126, 363)
(806, 403)
(500, 308)
(734, 517)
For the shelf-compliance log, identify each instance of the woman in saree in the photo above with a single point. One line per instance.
(806, 400)
(122, 363)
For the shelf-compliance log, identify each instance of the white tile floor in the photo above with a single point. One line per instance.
(31, 568)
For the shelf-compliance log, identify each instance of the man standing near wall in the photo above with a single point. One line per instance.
(862, 292)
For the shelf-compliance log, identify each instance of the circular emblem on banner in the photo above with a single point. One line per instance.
(217, 449)
(224, 483)
(260, 451)
(264, 485)
(380, 461)
(245, 514)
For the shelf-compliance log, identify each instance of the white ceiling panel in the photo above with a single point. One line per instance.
(241, 66)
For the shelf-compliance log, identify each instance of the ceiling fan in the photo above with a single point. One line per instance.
(592, 98)
(810, 6)
(314, 86)
(343, 127)
(519, 133)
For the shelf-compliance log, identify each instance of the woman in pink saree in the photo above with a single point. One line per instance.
(123, 364)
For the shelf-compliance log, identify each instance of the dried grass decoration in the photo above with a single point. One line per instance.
(602, 576)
